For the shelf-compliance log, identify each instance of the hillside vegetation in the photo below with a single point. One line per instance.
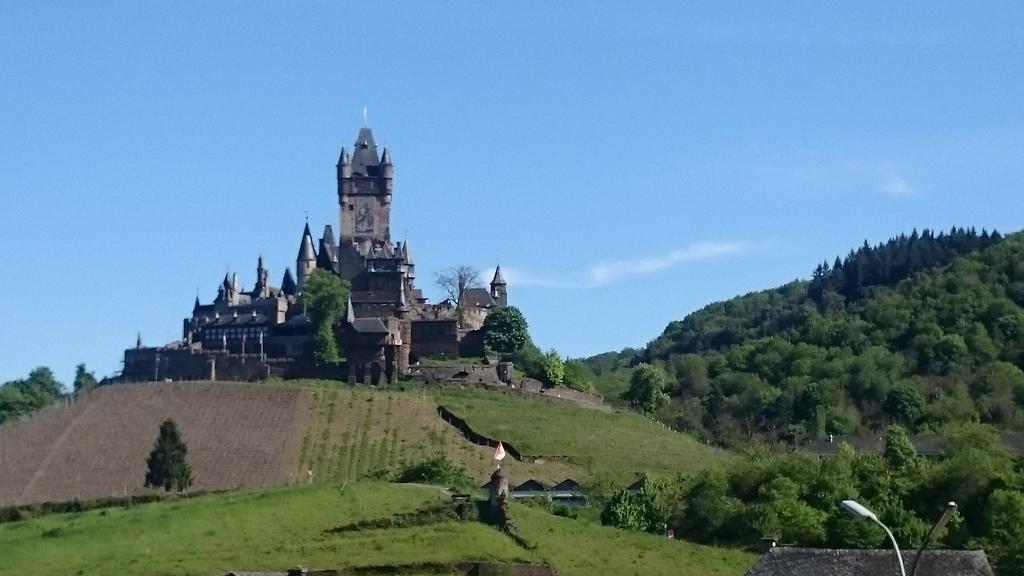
(617, 445)
(277, 529)
(252, 435)
(923, 331)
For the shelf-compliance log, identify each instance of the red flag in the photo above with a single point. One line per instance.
(499, 452)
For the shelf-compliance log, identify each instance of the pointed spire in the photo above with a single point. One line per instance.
(288, 285)
(385, 158)
(306, 252)
(407, 254)
(196, 305)
(498, 280)
(138, 339)
(259, 262)
(350, 314)
(226, 284)
(344, 158)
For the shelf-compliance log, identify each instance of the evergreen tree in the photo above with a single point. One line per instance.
(167, 465)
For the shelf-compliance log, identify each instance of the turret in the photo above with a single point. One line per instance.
(387, 168)
(499, 288)
(306, 260)
(402, 310)
(410, 266)
(262, 288)
(344, 166)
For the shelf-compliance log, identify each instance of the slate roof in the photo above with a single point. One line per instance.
(831, 562)
(498, 279)
(531, 485)
(364, 157)
(369, 326)
(567, 485)
(306, 251)
(477, 297)
(288, 283)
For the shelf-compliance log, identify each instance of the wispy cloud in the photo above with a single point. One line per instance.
(605, 273)
(896, 186)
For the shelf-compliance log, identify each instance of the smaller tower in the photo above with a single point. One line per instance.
(499, 288)
(387, 168)
(262, 288)
(306, 260)
(344, 166)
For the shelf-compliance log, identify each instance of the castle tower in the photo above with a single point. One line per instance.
(499, 288)
(365, 183)
(262, 288)
(306, 260)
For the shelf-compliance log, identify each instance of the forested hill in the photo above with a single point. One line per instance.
(922, 330)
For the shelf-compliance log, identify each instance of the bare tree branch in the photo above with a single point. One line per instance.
(456, 280)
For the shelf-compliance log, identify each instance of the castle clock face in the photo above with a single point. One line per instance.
(364, 215)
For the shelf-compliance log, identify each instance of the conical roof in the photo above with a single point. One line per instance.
(498, 279)
(306, 252)
(288, 285)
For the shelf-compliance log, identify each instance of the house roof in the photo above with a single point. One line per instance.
(477, 297)
(530, 485)
(566, 485)
(832, 562)
(369, 326)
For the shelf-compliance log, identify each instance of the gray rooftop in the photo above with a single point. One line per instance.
(832, 562)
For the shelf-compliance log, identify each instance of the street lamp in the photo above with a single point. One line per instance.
(858, 510)
(946, 515)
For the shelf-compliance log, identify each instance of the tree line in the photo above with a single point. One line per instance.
(38, 390)
(943, 346)
(794, 498)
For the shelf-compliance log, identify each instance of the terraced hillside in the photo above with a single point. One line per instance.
(95, 447)
(352, 432)
(252, 435)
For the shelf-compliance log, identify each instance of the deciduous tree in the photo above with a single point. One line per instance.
(646, 390)
(505, 330)
(324, 296)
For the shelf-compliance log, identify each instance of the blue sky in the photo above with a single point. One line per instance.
(626, 163)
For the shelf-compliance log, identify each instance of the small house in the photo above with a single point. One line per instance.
(568, 492)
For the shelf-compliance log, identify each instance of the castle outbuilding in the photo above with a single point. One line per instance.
(387, 325)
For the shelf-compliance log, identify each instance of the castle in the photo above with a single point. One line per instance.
(388, 323)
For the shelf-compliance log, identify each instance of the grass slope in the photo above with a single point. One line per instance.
(616, 444)
(278, 528)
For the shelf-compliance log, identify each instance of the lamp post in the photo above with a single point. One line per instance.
(946, 515)
(858, 510)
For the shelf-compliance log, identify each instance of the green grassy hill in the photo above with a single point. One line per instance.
(275, 529)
